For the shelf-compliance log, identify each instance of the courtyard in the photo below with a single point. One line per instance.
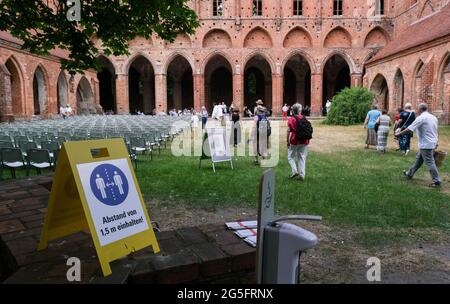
(369, 209)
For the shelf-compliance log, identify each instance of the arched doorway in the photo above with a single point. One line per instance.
(16, 88)
(107, 85)
(399, 89)
(62, 93)
(141, 86)
(218, 82)
(336, 77)
(297, 81)
(380, 88)
(444, 86)
(39, 92)
(258, 82)
(180, 84)
(85, 98)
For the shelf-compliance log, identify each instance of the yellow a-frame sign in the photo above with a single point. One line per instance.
(95, 189)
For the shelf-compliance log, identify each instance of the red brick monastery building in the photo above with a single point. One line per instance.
(281, 51)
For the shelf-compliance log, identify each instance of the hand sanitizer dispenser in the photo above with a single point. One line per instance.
(283, 245)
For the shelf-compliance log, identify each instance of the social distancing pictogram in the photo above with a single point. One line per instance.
(95, 189)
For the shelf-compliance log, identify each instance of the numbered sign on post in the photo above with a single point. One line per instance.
(95, 189)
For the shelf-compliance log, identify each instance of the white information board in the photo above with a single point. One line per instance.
(112, 199)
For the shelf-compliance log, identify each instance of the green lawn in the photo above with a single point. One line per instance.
(357, 188)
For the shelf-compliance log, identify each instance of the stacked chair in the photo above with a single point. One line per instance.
(36, 144)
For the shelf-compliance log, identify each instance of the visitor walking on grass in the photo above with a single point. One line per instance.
(236, 134)
(370, 125)
(384, 124)
(299, 133)
(426, 126)
(261, 132)
(204, 115)
(407, 117)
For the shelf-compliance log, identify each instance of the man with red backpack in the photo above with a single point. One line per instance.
(299, 134)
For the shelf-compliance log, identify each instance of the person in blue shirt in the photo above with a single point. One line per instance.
(370, 124)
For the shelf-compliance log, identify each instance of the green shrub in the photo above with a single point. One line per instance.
(350, 107)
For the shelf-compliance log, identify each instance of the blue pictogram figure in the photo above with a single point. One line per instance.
(109, 184)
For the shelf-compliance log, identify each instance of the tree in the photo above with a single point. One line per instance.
(350, 106)
(44, 25)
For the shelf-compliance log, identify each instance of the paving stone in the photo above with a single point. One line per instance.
(4, 202)
(17, 215)
(10, 226)
(171, 246)
(176, 268)
(223, 237)
(34, 217)
(35, 232)
(16, 195)
(34, 224)
(22, 245)
(34, 206)
(214, 261)
(191, 236)
(143, 273)
(39, 191)
(243, 257)
(4, 210)
(211, 228)
(121, 270)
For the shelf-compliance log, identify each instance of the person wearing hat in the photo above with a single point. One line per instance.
(261, 132)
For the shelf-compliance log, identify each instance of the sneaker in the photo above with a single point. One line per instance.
(301, 178)
(405, 173)
(435, 185)
(293, 176)
(406, 153)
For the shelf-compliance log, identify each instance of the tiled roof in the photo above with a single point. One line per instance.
(55, 52)
(430, 28)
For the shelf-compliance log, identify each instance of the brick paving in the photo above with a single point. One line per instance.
(207, 253)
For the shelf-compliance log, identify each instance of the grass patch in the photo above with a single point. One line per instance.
(357, 188)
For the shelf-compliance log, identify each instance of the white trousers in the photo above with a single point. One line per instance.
(298, 154)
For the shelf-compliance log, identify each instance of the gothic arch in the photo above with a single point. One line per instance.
(344, 55)
(380, 87)
(443, 102)
(304, 55)
(399, 89)
(218, 74)
(85, 97)
(40, 90)
(107, 84)
(182, 41)
(173, 56)
(298, 37)
(135, 56)
(376, 38)
(217, 39)
(62, 91)
(213, 54)
(417, 82)
(338, 38)
(17, 87)
(258, 38)
(263, 54)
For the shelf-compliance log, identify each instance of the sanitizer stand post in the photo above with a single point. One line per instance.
(279, 244)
